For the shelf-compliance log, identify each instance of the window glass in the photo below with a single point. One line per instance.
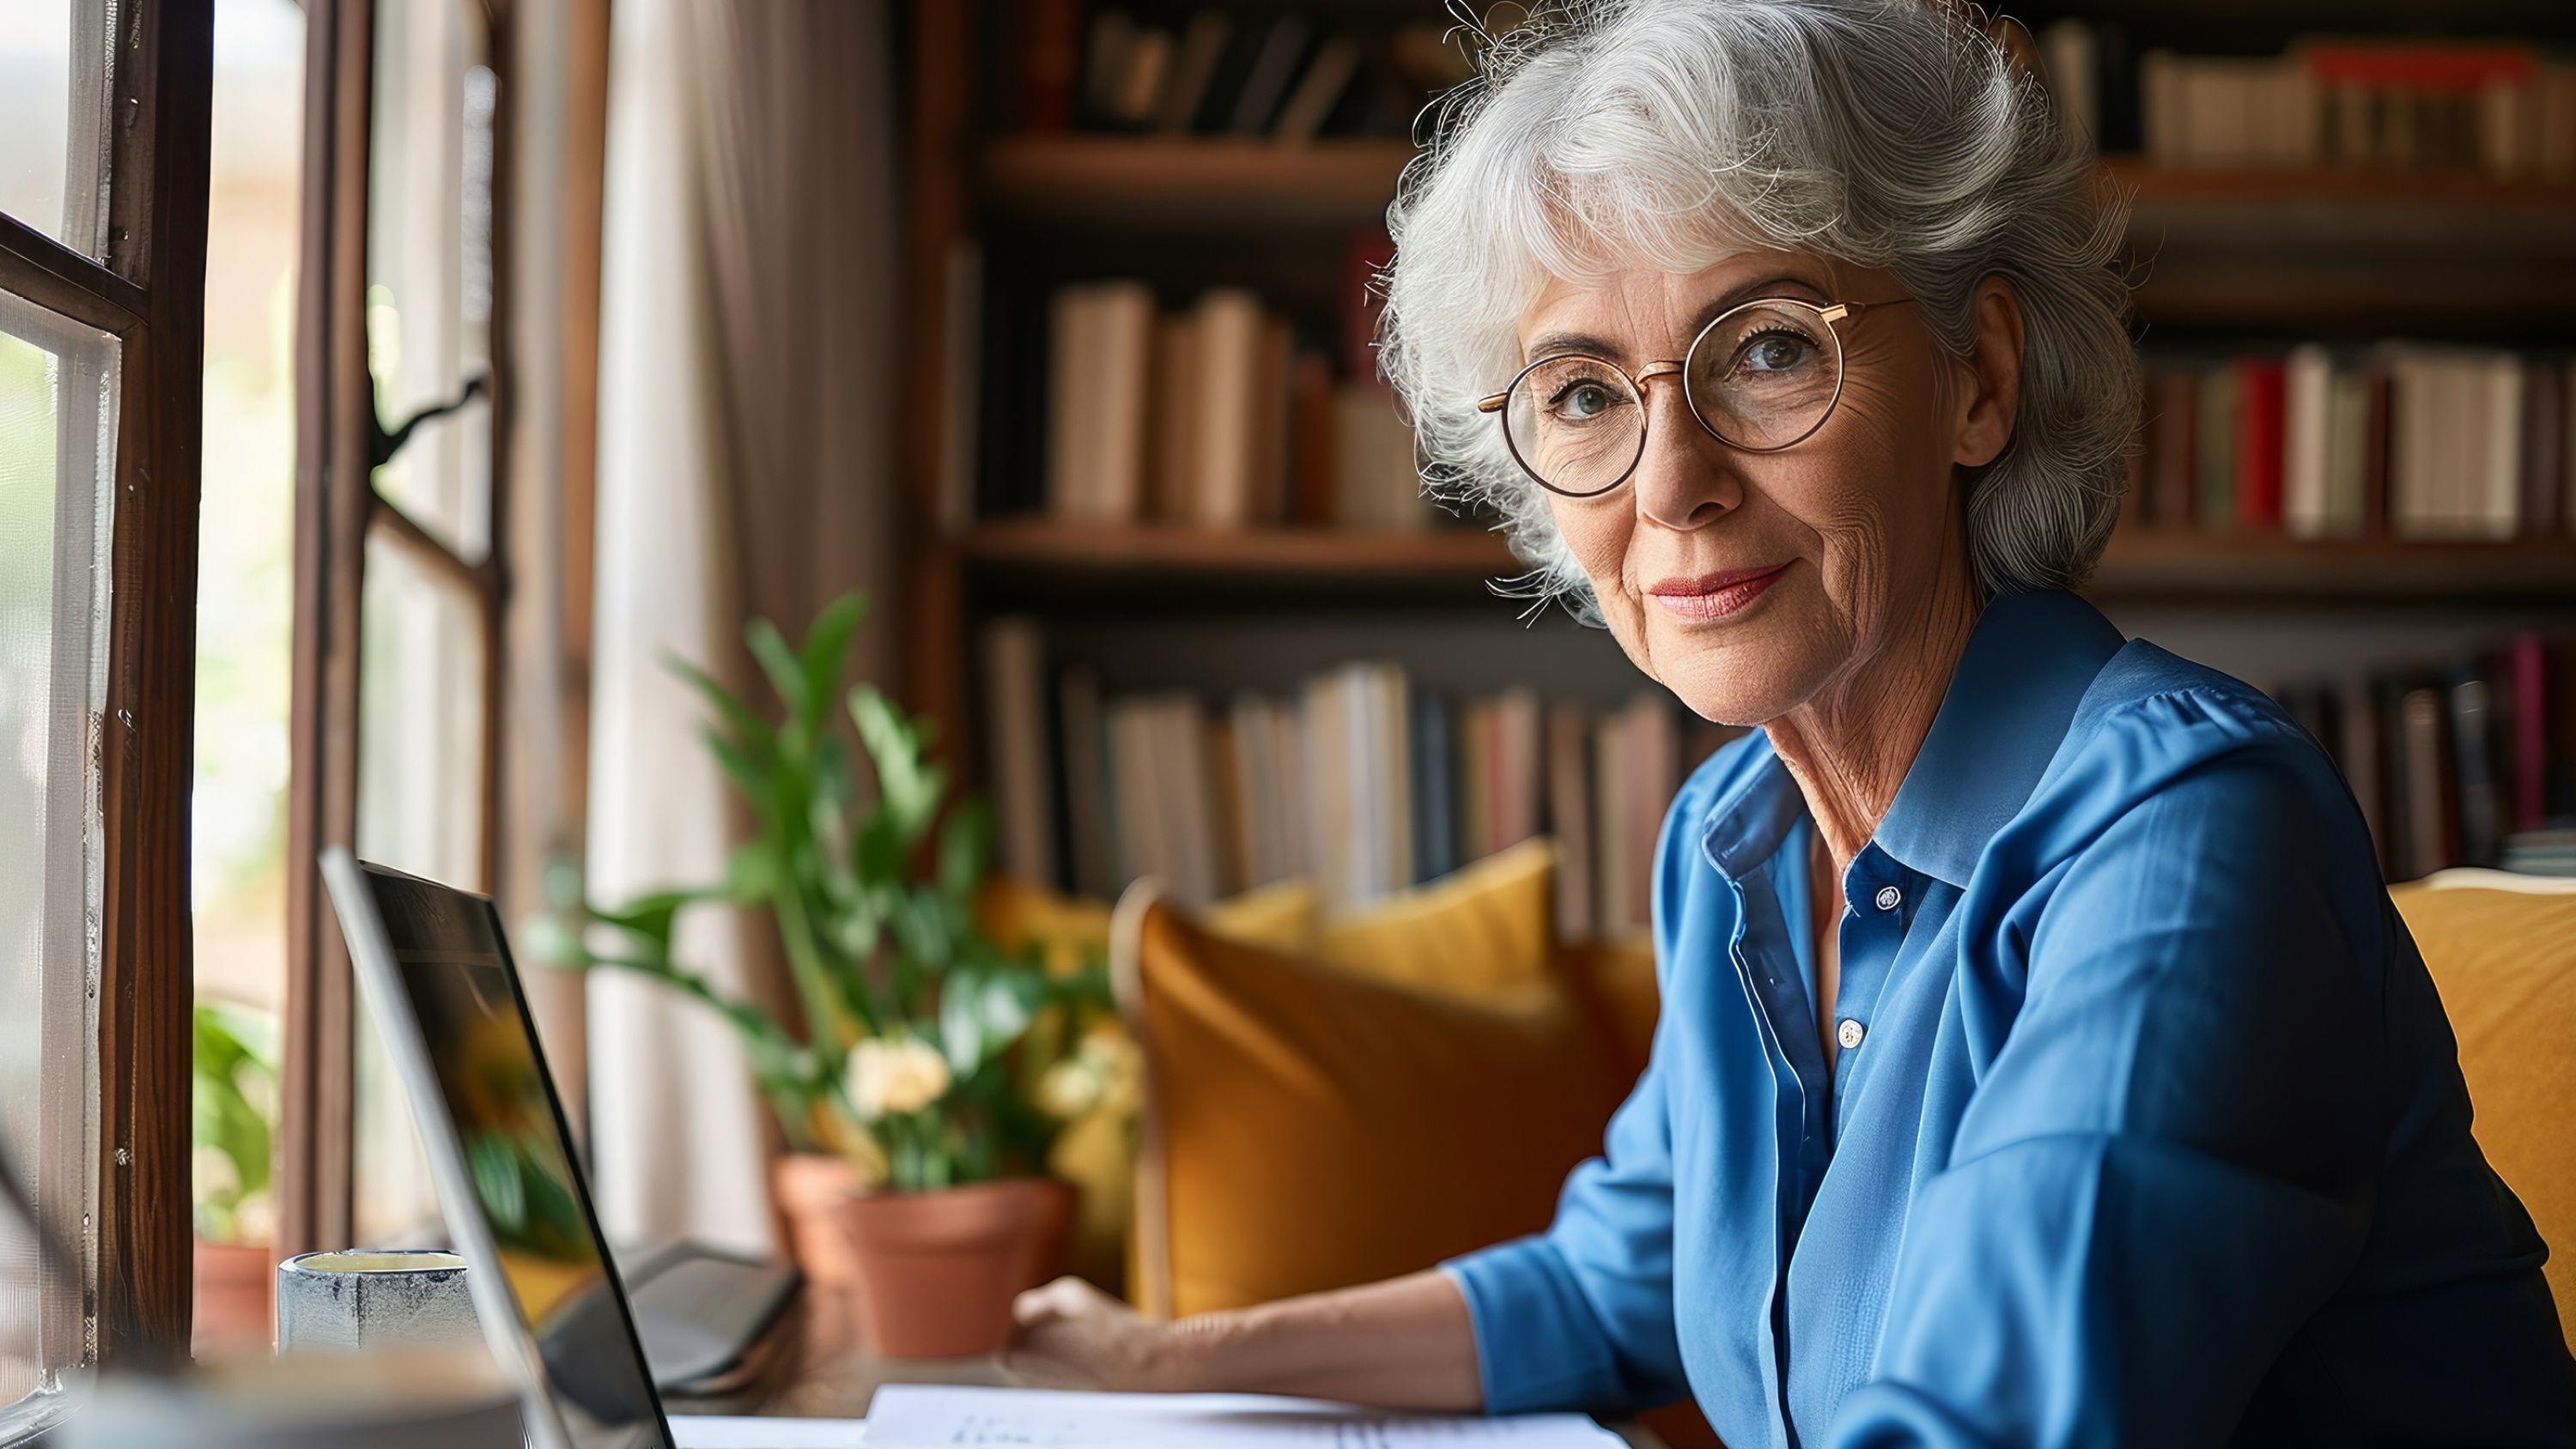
(420, 810)
(245, 601)
(57, 444)
(54, 89)
(429, 258)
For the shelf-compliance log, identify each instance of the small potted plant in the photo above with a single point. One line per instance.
(911, 1086)
(235, 1101)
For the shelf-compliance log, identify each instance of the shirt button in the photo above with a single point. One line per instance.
(1889, 897)
(1851, 1033)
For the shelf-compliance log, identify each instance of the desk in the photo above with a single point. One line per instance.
(820, 1367)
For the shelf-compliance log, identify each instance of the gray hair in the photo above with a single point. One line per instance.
(1669, 133)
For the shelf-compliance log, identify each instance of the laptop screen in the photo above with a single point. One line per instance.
(456, 972)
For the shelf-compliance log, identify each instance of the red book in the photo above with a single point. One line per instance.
(2527, 666)
(2416, 66)
(2262, 394)
(1050, 63)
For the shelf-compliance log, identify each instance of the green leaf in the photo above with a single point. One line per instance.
(786, 672)
(908, 787)
(965, 845)
(497, 1182)
(752, 873)
(750, 731)
(740, 766)
(826, 644)
(652, 917)
(982, 1013)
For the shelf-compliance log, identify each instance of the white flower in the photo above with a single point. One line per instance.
(895, 1074)
(1069, 1088)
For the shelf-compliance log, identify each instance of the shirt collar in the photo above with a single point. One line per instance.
(2026, 668)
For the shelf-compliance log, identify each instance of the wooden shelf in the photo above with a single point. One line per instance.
(2355, 250)
(1217, 184)
(1040, 558)
(1043, 557)
(2247, 249)
(2218, 567)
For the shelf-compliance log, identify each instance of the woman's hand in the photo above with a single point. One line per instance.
(1071, 1335)
(1402, 1344)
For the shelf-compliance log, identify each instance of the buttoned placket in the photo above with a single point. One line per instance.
(1880, 899)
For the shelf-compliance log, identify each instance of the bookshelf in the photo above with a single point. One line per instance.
(2223, 260)
(1067, 563)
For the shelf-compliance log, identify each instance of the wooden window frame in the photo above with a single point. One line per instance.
(339, 509)
(149, 293)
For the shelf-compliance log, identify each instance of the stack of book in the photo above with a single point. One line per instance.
(2402, 440)
(2468, 763)
(1360, 782)
(1208, 416)
(2497, 109)
(1281, 77)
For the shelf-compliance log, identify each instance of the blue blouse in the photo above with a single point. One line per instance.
(2148, 1129)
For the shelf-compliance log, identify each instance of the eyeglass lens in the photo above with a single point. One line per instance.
(1763, 376)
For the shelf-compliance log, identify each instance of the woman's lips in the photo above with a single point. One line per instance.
(1714, 596)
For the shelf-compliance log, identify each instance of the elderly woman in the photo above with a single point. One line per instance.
(2041, 1060)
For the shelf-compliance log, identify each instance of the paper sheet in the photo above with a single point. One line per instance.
(705, 1431)
(920, 1416)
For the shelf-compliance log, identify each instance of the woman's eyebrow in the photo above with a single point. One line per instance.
(1557, 344)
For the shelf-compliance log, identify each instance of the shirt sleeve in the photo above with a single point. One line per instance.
(2166, 1167)
(1581, 1316)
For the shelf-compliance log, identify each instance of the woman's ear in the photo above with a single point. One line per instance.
(1993, 396)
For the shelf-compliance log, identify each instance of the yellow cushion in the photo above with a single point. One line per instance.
(1487, 927)
(2505, 961)
(1304, 1126)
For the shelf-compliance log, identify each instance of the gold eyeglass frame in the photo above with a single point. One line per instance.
(1827, 313)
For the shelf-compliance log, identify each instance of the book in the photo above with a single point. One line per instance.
(1274, 69)
(2260, 426)
(1085, 770)
(1014, 652)
(1328, 76)
(2171, 470)
(1569, 812)
(2215, 451)
(1230, 346)
(2307, 442)
(1194, 64)
(1050, 63)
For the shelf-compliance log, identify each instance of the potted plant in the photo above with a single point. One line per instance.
(910, 1087)
(234, 1101)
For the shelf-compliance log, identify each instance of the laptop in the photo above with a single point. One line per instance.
(445, 996)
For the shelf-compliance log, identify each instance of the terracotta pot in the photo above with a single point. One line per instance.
(938, 1270)
(232, 1283)
(811, 1188)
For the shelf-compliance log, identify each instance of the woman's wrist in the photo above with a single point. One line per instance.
(1205, 1353)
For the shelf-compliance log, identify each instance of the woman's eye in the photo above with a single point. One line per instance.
(1583, 400)
(1775, 352)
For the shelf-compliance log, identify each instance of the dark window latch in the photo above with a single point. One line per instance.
(382, 445)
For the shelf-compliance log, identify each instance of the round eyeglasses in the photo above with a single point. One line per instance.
(1761, 377)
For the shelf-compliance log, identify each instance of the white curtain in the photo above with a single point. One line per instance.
(750, 300)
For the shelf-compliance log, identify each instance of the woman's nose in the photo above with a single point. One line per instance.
(1685, 478)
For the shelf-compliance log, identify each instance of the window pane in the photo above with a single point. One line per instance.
(54, 89)
(420, 809)
(429, 257)
(245, 590)
(57, 440)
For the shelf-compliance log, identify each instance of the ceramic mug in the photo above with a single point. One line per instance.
(358, 1300)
